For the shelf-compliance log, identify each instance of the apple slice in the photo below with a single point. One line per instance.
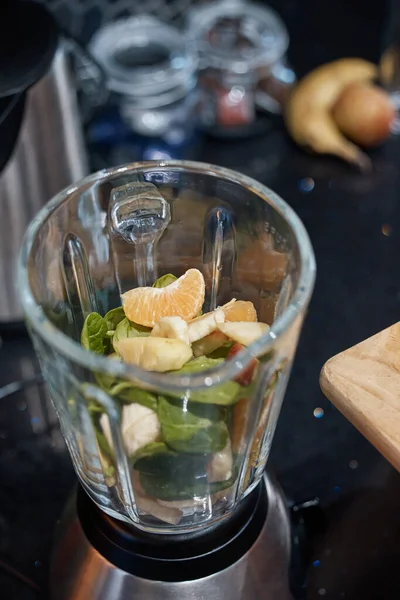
(241, 411)
(245, 377)
(208, 344)
(154, 353)
(243, 332)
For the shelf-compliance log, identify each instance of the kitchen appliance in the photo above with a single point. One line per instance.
(189, 514)
(244, 557)
(42, 147)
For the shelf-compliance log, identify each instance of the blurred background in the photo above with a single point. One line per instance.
(193, 73)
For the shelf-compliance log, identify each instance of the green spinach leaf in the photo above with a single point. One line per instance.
(127, 393)
(114, 318)
(201, 363)
(127, 329)
(164, 280)
(221, 352)
(106, 458)
(104, 446)
(224, 394)
(105, 381)
(191, 428)
(170, 475)
(159, 460)
(184, 489)
(94, 334)
(152, 450)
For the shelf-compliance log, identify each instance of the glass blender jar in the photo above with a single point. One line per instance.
(204, 434)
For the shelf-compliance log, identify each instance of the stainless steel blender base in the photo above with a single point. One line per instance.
(81, 572)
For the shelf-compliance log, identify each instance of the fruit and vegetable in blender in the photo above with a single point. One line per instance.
(179, 446)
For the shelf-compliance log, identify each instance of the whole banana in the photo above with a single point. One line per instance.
(308, 112)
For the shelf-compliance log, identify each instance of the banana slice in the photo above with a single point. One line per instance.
(154, 353)
(151, 506)
(139, 426)
(172, 327)
(243, 332)
(220, 466)
(206, 324)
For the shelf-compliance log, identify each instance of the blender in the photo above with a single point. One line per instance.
(190, 516)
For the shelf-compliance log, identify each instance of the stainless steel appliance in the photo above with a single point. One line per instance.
(48, 150)
(244, 558)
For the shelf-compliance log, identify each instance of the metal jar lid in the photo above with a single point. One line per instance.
(145, 59)
(237, 36)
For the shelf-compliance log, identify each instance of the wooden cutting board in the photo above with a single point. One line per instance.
(364, 384)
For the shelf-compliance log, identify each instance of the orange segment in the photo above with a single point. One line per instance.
(182, 298)
(240, 310)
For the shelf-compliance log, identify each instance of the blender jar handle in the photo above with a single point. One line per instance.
(138, 216)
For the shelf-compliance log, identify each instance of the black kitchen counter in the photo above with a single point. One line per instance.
(349, 533)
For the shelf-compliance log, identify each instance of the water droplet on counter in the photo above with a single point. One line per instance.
(316, 563)
(21, 406)
(353, 464)
(38, 563)
(258, 165)
(322, 591)
(386, 229)
(318, 412)
(306, 185)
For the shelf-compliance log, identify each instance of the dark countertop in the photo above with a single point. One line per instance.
(352, 535)
(354, 225)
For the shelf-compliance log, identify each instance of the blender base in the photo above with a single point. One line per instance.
(245, 557)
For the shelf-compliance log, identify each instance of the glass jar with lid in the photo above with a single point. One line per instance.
(242, 50)
(151, 74)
